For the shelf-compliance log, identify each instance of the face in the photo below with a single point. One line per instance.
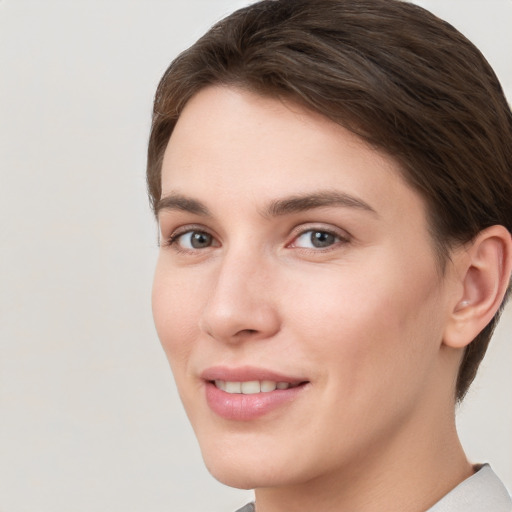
(296, 293)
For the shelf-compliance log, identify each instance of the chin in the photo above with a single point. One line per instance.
(232, 478)
(245, 476)
(247, 469)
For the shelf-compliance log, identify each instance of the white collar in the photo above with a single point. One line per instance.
(481, 492)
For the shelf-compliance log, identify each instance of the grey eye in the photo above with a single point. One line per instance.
(195, 240)
(316, 239)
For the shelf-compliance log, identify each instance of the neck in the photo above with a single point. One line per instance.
(412, 471)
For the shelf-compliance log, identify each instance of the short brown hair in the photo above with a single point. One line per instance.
(399, 77)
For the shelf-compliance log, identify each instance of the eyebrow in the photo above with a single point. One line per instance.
(276, 208)
(182, 203)
(321, 199)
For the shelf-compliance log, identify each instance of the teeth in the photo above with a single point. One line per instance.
(268, 385)
(233, 387)
(250, 387)
(221, 384)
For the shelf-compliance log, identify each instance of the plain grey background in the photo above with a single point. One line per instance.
(89, 419)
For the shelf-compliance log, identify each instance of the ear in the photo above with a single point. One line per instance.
(484, 272)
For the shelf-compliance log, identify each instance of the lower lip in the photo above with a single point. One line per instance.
(240, 407)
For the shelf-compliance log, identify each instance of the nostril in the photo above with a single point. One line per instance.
(246, 332)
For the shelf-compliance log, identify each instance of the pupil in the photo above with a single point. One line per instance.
(322, 239)
(200, 240)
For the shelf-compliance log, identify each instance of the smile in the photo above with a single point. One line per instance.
(246, 393)
(251, 387)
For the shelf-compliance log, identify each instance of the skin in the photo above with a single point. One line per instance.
(363, 319)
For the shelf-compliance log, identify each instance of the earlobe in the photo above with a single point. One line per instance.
(485, 274)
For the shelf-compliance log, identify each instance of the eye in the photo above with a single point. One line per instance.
(192, 240)
(316, 239)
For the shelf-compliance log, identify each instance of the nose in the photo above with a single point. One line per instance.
(242, 304)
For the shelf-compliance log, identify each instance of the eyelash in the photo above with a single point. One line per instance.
(173, 240)
(302, 231)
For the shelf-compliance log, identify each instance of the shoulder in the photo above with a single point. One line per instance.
(248, 508)
(481, 491)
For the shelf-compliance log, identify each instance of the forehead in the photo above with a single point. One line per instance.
(231, 144)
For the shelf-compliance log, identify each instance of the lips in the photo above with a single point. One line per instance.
(246, 393)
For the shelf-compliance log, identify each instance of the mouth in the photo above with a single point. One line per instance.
(247, 393)
(253, 387)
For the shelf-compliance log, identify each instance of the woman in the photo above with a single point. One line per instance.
(333, 185)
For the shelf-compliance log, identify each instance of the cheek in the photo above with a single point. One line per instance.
(368, 323)
(175, 312)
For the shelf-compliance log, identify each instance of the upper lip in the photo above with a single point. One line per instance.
(246, 374)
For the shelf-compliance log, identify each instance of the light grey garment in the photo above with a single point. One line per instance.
(248, 508)
(481, 492)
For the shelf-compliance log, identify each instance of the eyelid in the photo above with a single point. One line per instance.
(170, 240)
(343, 235)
